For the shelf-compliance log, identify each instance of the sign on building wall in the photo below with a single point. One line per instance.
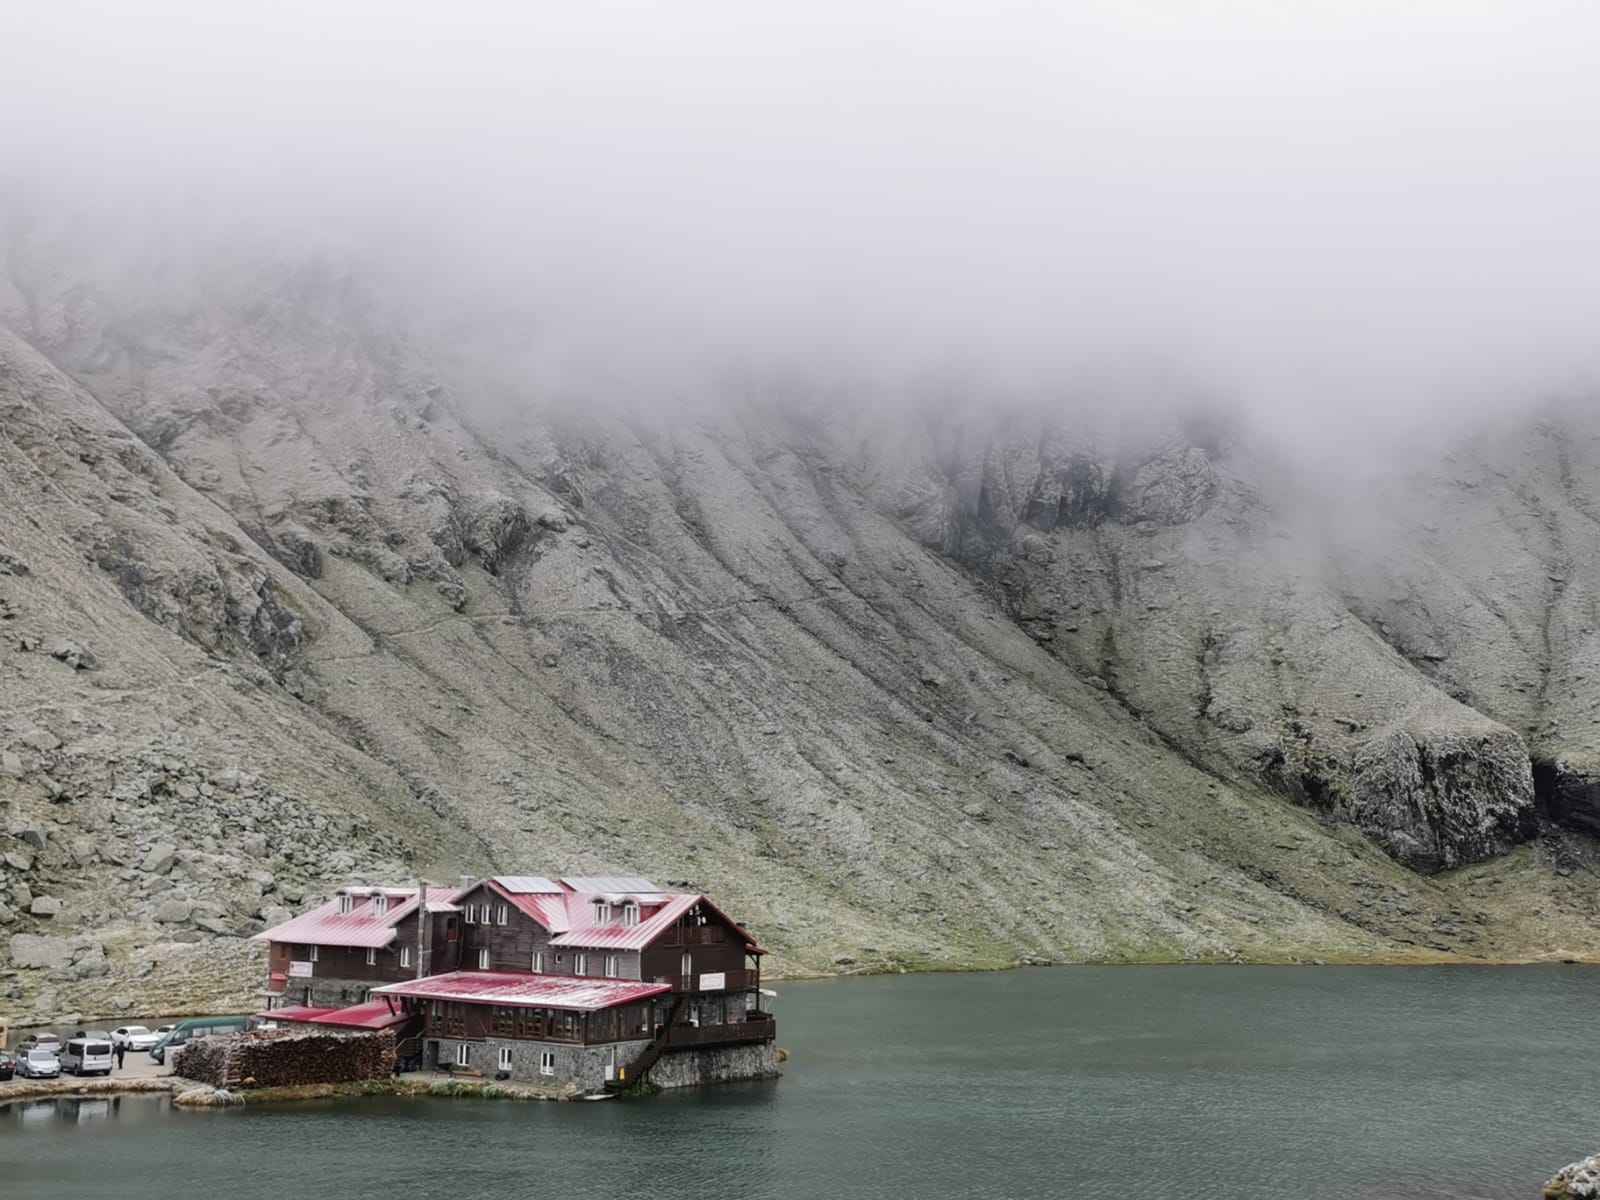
(713, 981)
(299, 970)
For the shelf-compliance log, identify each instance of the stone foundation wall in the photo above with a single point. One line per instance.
(582, 1068)
(715, 1064)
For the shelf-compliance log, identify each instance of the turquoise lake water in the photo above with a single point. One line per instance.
(1207, 1083)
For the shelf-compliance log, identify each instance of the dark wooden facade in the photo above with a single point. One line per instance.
(347, 966)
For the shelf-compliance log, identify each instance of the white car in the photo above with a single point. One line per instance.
(136, 1037)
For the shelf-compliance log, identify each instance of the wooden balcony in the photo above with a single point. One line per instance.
(732, 981)
(757, 1027)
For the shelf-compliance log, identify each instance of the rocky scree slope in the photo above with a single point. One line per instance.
(290, 594)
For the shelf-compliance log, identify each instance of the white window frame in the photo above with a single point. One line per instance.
(380, 904)
(502, 913)
(483, 958)
(372, 956)
(405, 956)
(538, 962)
(602, 912)
(611, 966)
(463, 1055)
(547, 1062)
(580, 964)
(346, 903)
(505, 1058)
(313, 948)
(630, 913)
(687, 963)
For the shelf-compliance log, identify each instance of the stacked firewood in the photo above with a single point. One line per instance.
(288, 1058)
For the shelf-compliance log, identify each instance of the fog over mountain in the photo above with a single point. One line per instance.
(966, 483)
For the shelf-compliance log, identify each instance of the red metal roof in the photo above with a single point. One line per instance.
(570, 918)
(519, 989)
(295, 1012)
(374, 1014)
(361, 926)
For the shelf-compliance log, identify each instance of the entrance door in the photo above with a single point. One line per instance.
(611, 1064)
(432, 1056)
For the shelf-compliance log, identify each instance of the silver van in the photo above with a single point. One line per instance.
(87, 1056)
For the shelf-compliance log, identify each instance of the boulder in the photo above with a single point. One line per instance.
(160, 859)
(1575, 1181)
(45, 906)
(35, 950)
(10, 765)
(40, 739)
(173, 912)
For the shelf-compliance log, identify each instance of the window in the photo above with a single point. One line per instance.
(502, 913)
(380, 905)
(483, 959)
(505, 1058)
(602, 912)
(469, 915)
(547, 1062)
(372, 957)
(687, 965)
(305, 997)
(630, 913)
(580, 964)
(405, 956)
(463, 1055)
(611, 966)
(538, 962)
(346, 903)
(313, 955)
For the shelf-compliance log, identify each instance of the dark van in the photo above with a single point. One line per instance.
(197, 1027)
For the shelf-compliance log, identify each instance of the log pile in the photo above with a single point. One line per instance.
(288, 1058)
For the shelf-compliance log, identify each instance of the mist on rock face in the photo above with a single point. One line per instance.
(1355, 212)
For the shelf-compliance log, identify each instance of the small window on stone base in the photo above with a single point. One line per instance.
(505, 1058)
(547, 1062)
(463, 1056)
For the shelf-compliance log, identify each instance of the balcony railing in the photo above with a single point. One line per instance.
(757, 1027)
(732, 981)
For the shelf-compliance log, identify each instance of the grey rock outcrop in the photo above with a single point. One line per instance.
(295, 596)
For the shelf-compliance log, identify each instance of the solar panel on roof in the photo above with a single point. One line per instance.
(528, 885)
(609, 883)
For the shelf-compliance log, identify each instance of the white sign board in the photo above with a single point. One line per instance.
(299, 970)
(713, 982)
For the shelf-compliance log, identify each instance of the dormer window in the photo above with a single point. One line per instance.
(346, 903)
(630, 913)
(380, 904)
(602, 912)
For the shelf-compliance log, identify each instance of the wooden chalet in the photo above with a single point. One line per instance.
(337, 953)
(581, 981)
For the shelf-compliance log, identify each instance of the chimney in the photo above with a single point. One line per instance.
(423, 922)
(467, 881)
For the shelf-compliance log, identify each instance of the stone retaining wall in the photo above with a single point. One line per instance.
(715, 1064)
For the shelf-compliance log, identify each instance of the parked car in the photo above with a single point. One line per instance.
(136, 1037)
(42, 1040)
(88, 1056)
(39, 1064)
(8, 1066)
(163, 1030)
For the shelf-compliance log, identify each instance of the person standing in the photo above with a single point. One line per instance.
(120, 1049)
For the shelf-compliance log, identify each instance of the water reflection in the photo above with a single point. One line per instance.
(50, 1112)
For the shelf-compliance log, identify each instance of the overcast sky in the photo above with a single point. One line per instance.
(1318, 205)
